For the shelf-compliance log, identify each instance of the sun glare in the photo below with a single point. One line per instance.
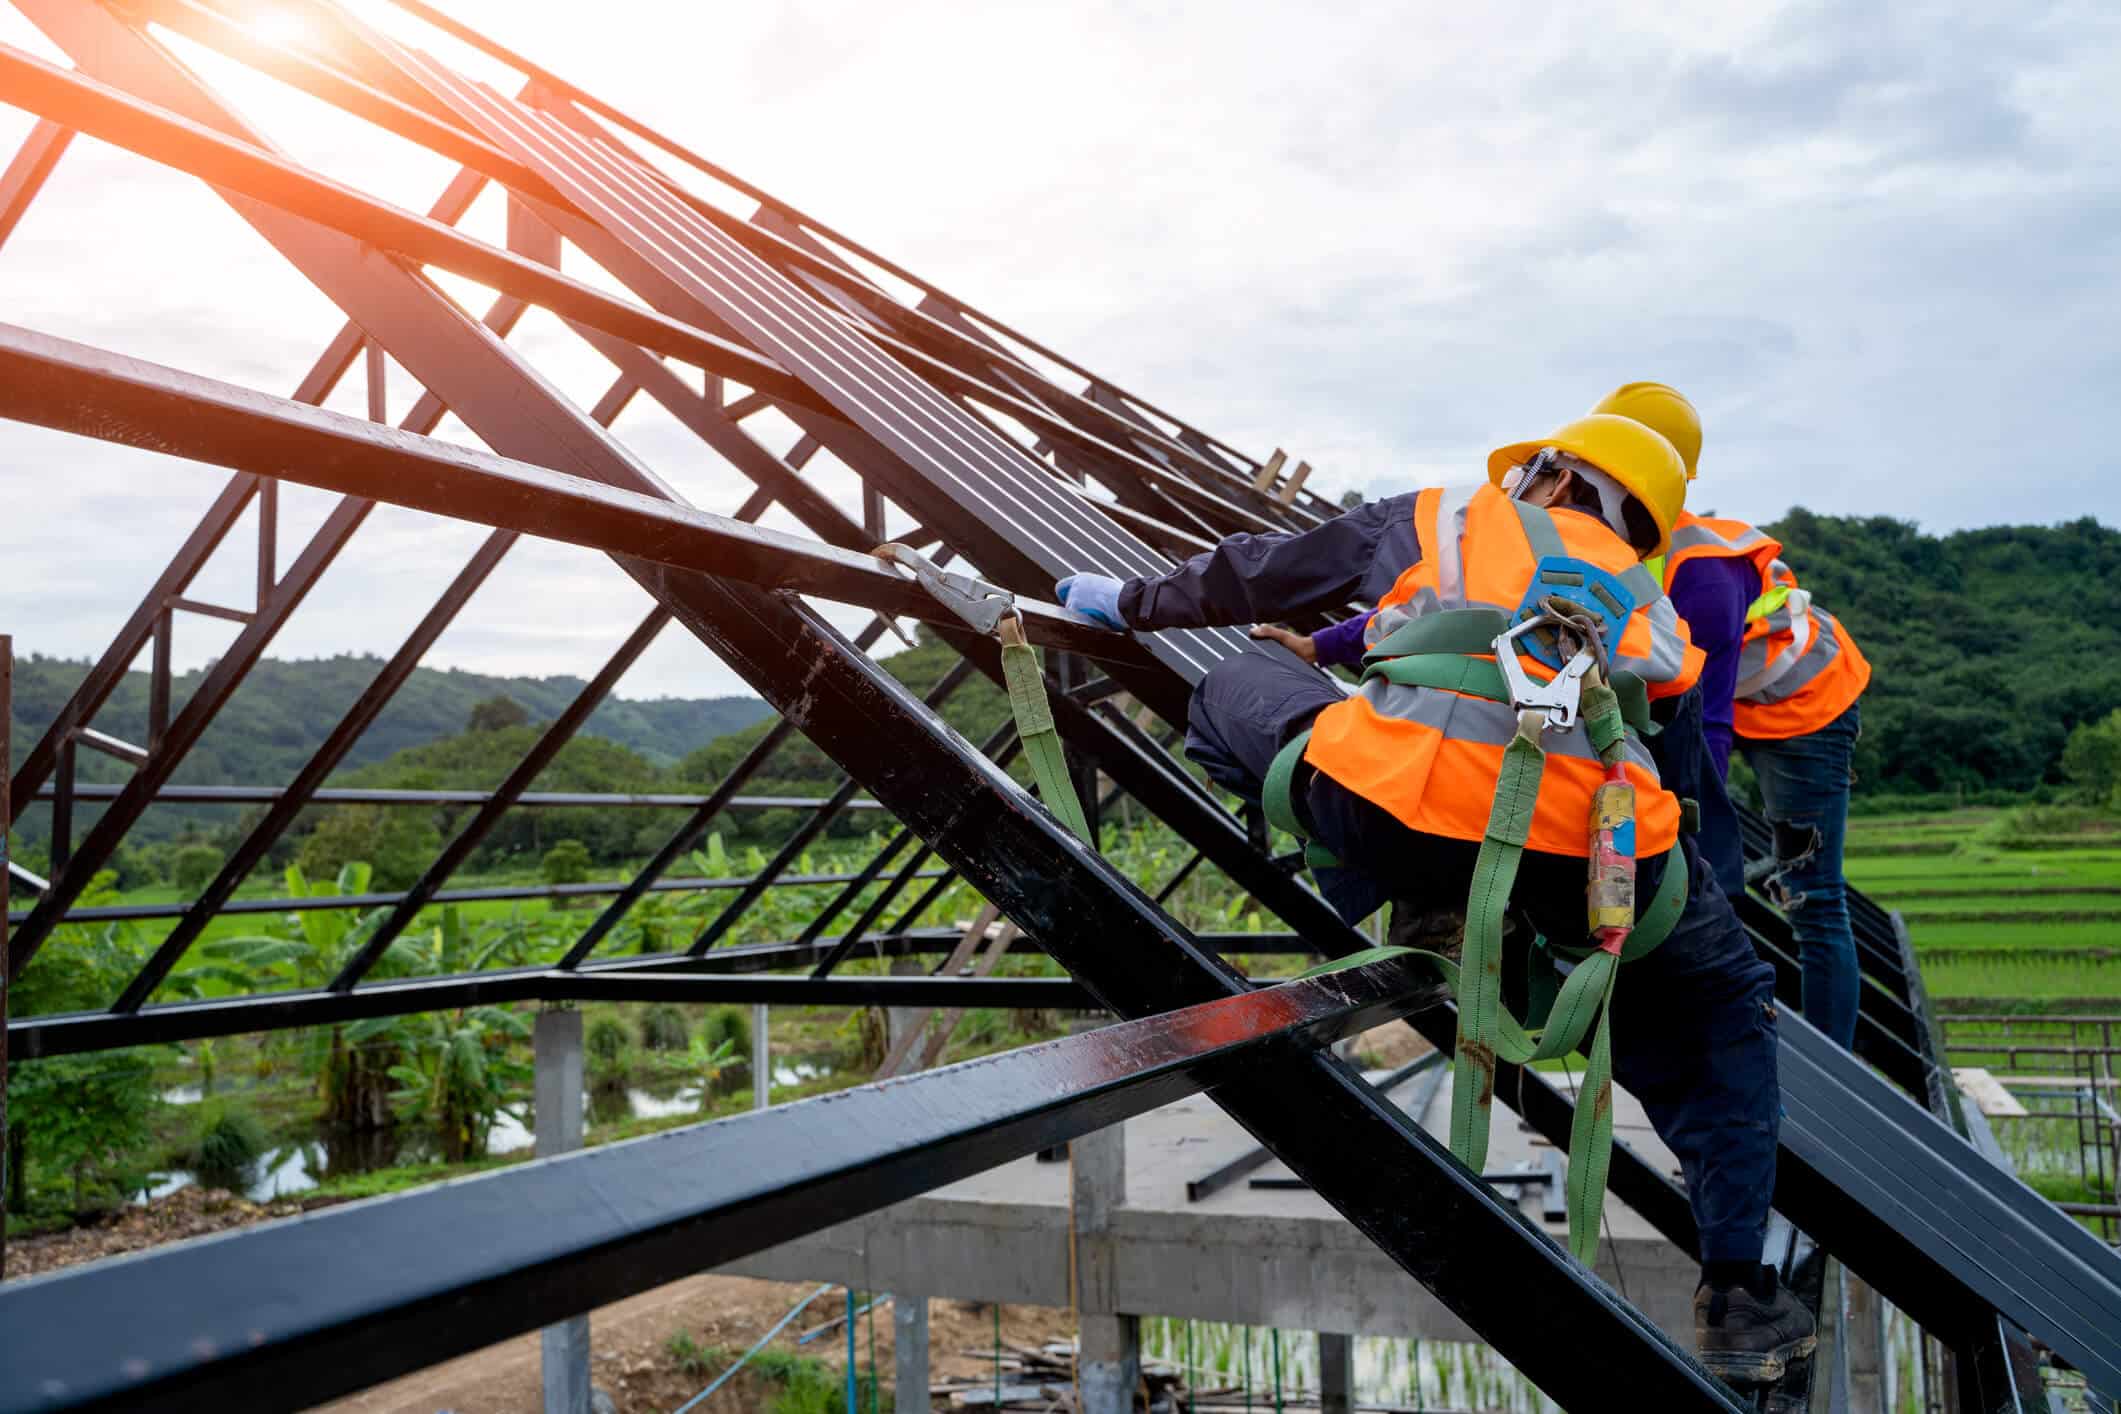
(284, 28)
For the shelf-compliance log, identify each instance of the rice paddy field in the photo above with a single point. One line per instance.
(2021, 908)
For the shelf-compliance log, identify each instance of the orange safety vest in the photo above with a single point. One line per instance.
(1430, 756)
(1798, 669)
(1710, 538)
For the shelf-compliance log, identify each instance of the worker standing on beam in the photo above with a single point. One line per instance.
(1399, 783)
(1783, 677)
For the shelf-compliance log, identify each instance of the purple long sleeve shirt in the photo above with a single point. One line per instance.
(1712, 595)
(1340, 645)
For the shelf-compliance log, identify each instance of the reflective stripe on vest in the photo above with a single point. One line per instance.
(1430, 756)
(1798, 669)
(1721, 537)
(1655, 646)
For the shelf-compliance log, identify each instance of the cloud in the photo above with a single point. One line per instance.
(1876, 243)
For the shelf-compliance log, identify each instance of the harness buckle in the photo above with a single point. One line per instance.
(1560, 699)
(982, 605)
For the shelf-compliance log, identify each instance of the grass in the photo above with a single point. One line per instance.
(2015, 913)
(791, 1383)
(2070, 976)
(2002, 905)
(2033, 931)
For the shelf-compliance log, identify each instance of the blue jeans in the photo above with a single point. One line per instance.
(1804, 783)
(1693, 1021)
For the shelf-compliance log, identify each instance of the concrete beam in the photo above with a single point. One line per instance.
(1255, 1258)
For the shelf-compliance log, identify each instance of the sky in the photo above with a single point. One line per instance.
(1879, 247)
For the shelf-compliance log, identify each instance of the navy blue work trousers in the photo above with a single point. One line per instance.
(1693, 1022)
(1804, 783)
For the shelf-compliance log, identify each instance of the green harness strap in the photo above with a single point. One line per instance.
(1042, 743)
(1487, 1033)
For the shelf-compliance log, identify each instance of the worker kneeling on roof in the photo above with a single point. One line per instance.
(1502, 721)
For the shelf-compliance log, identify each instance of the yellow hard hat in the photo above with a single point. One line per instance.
(1631, 452)
(1664, 410)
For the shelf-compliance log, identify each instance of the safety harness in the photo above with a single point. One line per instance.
(1568, 614)
(1563, 623)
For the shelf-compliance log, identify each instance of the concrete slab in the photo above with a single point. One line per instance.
(1258, 1256)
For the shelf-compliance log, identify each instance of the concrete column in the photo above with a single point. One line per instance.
(898, 1020)
(761, 1059)
(909, 1352)
(1110, 1361)
(557, 1094)
(1336, 1373)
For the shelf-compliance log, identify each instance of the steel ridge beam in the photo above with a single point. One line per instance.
(72, 387)
(87, 105)
(1439, 1222)
(420, 1277)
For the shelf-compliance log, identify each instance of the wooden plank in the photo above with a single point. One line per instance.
(1985, 1090)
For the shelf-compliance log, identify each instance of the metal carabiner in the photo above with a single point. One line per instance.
(984, 606)
(1561, 698)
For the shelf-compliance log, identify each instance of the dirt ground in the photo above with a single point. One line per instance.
(188, 1212)
(630, 1362)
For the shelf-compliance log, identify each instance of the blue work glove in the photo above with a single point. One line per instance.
(1094, 596)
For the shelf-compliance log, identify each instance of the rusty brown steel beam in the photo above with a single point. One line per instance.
(671, 146)
(119, 118)
(25, 176)
(198, 547)
(71, 387)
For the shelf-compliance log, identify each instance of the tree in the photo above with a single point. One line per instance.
(496, 713)
(2092, 759)
(196, 865)
(397, 842)
(566, 863)
(84, 1116)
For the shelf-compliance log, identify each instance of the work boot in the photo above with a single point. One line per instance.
(1747, 1333)
(1441, 931)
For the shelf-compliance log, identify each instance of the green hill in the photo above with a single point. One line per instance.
(285, 707)
(1986, 646)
